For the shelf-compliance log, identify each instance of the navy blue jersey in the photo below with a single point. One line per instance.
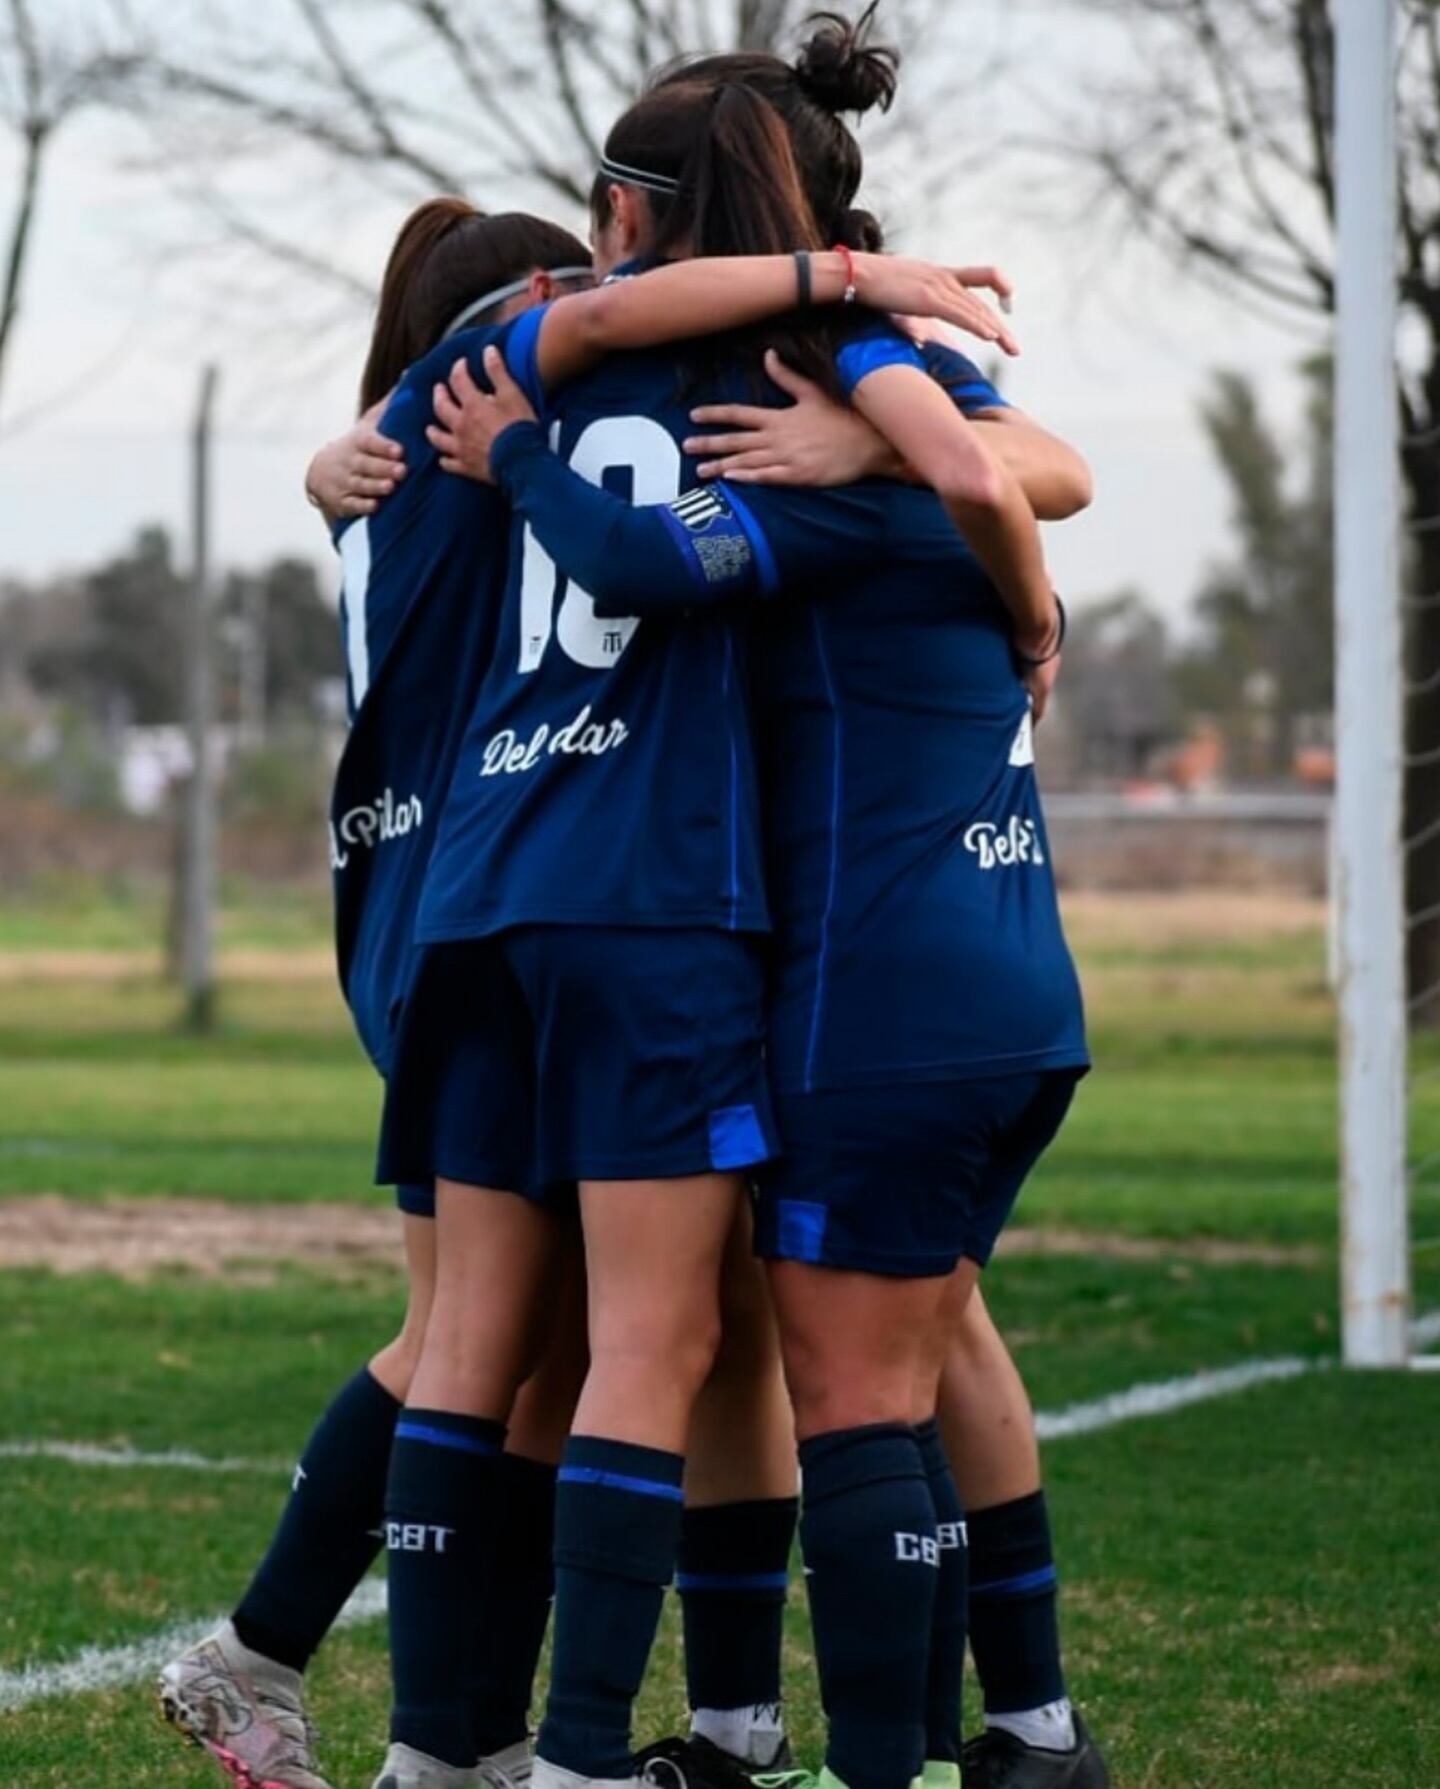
(919, 933)
(966, 384)
(919, 930)
(423, 582)
(918, 922)
(608, 777)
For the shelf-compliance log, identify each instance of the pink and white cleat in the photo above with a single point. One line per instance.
(245, 1710)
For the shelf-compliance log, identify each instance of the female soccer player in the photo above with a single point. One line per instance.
(985, 1413)
(991, 1144)
(423, 620)
(419, 627)
(987, 1417)
(600, 836)
(926, 1032)
(1013, 1626)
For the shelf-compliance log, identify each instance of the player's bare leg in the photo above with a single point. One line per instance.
(240, 1692)
(1034, 1739)
(524, 1581)
(737, 1533)
(858, 1350)
(495, 1256)
(653, 1252)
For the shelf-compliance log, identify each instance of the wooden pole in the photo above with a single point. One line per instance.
(197, 867)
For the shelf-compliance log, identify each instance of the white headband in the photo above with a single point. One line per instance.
(513, 290)
(654, 183)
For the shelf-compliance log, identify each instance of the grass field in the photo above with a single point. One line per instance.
(1252, 1583)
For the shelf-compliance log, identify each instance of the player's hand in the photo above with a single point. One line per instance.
(354, 475)
(468, 421)
(814, 442)
(918, 289)
(1040, 681)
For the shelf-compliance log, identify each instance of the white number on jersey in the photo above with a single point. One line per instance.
(354, 592)
(636, 444)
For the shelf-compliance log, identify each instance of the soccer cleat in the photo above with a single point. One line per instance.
(245, 1710)
(698, 1763)
(510, 1769)
(545, 1775)
(405, 1768)
(998, 1760)
(799, 1779)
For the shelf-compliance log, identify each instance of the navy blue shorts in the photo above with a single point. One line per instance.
(416, 1200)
(547, 1055)
(909, 1179)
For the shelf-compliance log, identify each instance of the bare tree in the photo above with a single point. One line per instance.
(44, 80)
(1218, 146)
(353, 100)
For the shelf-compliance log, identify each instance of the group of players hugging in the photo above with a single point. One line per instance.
(694, 902)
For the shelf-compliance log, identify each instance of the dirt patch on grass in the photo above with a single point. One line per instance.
(1209, 1251)
(134, 1238)
(1346, 1675)
(308, 964)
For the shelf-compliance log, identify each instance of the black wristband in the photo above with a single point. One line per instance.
(805, 279)
(1034, 664)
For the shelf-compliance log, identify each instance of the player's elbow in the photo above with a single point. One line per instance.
(1074, 488)
(971, 482)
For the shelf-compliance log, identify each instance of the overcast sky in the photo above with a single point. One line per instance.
(117, 322)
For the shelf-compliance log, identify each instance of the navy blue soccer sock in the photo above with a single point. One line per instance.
(943, 1719)
(617, 1530)
(441, 1510)
(329, 1532)
(734, 1572)
(521, 1590)
(1014, 1625)
(872, 1556)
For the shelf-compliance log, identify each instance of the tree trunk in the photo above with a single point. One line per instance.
(36, 137)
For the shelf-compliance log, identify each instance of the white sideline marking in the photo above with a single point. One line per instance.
(85, 1453)
(111, 1667)
(105, 1668)
(1165, 1395)
(1156, 1398)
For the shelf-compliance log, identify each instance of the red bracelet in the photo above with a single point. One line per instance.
(847, 256)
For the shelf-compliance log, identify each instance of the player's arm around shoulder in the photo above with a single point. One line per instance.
(1055, 477)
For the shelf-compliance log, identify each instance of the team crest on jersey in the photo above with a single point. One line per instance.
(698, 509)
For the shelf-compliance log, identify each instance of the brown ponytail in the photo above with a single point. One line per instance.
(393, 343)
(738, 191)
(743, 190)
(446, 256)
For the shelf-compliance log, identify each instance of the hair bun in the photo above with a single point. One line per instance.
(863, 232)
(841, 70)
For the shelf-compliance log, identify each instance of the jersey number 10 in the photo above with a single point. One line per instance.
(640, 446)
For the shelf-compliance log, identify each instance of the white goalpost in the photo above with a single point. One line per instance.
(1369, 887)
